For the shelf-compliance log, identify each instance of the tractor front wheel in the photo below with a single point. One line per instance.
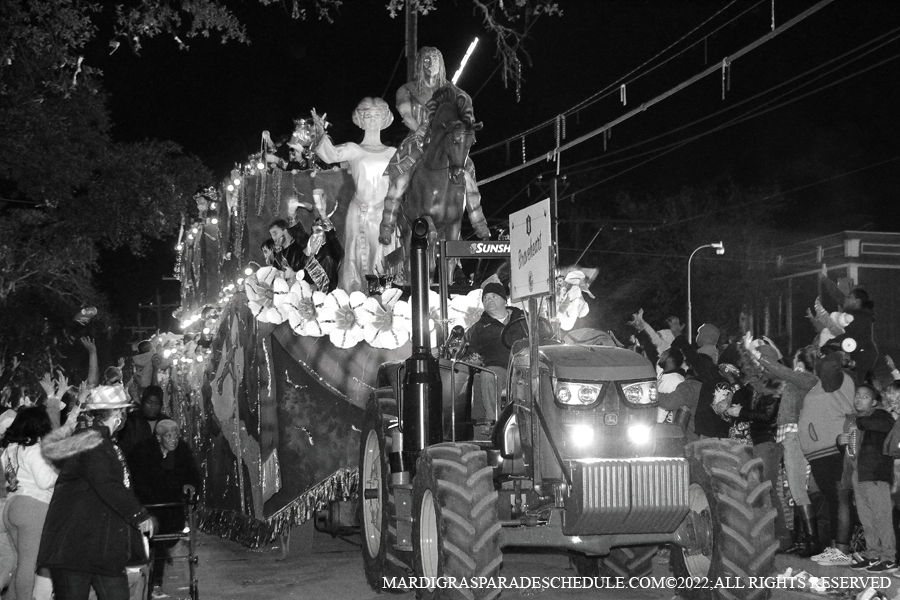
(376, 499)
(456, 531)
(730, 525)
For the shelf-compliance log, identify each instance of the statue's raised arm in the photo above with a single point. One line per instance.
(368, 161)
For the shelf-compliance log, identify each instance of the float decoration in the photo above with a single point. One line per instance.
(387, 324)
(340, 312)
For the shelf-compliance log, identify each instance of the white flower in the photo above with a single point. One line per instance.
(571, 308)
(265, 291)
(465, 310)
(386, 325)
(339, 311)
(303, 307)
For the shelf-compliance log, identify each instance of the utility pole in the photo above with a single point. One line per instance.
(412, 41)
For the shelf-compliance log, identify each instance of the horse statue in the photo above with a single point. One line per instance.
(442, 183)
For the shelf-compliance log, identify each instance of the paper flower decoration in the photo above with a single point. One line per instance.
(260, 291)
(571, 308)
(340, 312)
(386, 325)
(303, 306)
(465, 310)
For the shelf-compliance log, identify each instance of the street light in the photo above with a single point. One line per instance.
(720, 250)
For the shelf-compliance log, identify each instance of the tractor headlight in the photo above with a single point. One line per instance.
(576, 394)
(582, 435)
(639, 433)
(641, 392)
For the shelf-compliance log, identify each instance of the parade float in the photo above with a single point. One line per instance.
(269, 377)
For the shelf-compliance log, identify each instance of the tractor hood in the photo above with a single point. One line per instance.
(594, 363)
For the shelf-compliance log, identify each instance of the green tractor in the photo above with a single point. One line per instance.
(570, 465)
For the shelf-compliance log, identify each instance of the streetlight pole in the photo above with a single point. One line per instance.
(720, 249)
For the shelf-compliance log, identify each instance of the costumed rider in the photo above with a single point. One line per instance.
(368, 161)
(414, 103)
(318, 255)
(484, 338)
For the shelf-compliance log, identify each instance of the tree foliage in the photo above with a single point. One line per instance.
(44, 40)
(69, 191)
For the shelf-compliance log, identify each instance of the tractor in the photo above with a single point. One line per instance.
(570, 465)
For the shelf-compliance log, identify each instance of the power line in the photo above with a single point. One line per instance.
(672, 91)
(741, 103)
(740, 119)
(613, 87)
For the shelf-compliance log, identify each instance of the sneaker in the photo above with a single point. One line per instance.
(839, 559)
(158, 594)
(883, 566)
(828, 553)
(863, 564)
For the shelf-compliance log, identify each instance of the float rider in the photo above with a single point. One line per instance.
(415, 106)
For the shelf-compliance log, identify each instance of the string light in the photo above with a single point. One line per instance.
(214, 221)
(237, 181)
(230, 188)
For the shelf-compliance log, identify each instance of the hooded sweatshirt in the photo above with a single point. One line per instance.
(825, 409)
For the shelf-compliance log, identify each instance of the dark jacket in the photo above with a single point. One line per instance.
(760, 411)
(706, 421)
(871, 462)
(484, 338)
(329, 256)
(93, 519)
(861, 329)
(161, 480)
(137, 429)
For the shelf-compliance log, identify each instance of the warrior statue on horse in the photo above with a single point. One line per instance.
(431, 174)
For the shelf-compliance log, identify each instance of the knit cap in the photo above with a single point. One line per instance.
(707, 335)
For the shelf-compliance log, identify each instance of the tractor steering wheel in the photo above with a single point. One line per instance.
(517, 329)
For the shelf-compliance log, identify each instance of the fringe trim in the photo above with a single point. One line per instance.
(253, 532)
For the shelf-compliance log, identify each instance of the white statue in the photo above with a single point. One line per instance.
(368, 160)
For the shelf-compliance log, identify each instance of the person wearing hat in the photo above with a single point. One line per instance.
(95, 523)
(142, 423)
(484, 337)
(161, 466)
(707, 423)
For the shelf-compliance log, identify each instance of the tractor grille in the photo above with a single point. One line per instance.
(638, 495)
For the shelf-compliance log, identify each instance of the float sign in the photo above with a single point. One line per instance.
(530, 247)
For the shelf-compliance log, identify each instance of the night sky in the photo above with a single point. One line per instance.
(215, 100)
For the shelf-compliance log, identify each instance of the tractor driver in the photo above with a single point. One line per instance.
(484, 337)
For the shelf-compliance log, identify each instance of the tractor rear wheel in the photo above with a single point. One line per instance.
(731, 523)
(376, 498)
(456, 531)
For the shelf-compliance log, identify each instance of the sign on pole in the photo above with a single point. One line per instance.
(530, 246)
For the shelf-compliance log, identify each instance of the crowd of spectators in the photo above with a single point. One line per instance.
(85, 468)
(825, 417)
